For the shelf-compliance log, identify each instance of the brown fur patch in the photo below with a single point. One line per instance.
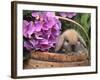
(71, 36)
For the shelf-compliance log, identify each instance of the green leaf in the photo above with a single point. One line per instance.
(85, 21)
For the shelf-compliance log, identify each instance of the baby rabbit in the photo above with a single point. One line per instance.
(71, 42)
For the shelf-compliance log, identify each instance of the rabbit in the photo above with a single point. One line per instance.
(70, 41)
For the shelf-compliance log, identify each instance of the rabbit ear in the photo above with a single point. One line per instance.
(59, 43)
(82, 40)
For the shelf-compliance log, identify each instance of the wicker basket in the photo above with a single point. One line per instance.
(47, 60)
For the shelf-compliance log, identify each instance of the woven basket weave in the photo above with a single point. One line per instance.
(47, 60)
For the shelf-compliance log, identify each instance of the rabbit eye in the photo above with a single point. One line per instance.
(78, 40)
(67, 40)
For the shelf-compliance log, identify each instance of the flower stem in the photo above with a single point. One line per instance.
(70, 20)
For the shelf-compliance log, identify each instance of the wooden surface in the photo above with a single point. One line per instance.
(48, 60)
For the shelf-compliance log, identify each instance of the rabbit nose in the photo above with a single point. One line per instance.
(73, 47)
